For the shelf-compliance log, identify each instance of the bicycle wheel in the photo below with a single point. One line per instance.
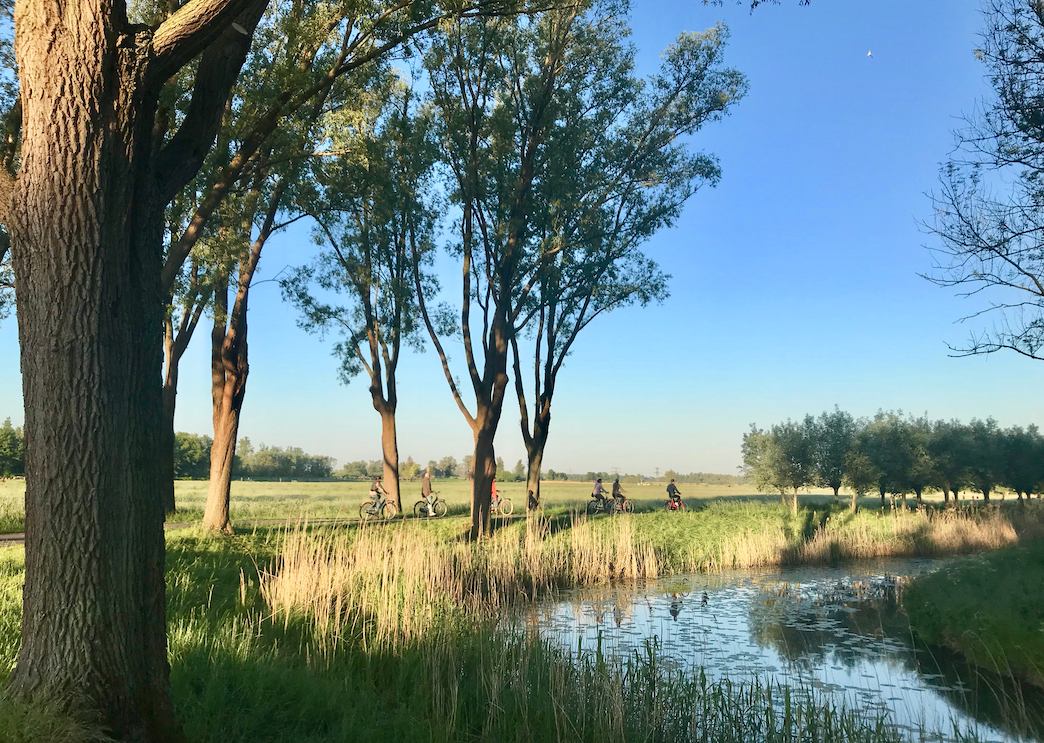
(366, 511)
(420, 509)
(505, 507)
(440, 508)
(592, 507)
(628, 507)
(389, 511)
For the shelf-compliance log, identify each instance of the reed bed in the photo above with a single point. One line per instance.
(390, 582)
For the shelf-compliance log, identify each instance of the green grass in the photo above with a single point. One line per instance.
(989, 608)
(240, 675)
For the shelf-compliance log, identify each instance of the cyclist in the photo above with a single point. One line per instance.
(674, 494)
(618, 492)
(376, 489)
(598, 492)
(426, 491)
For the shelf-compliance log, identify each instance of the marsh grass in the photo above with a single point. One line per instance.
(988, 608)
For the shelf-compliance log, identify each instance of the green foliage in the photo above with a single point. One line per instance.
(986, 456)
(832, 436)
(990, 608)
(12, 450)
(276, 462)
(192, 455)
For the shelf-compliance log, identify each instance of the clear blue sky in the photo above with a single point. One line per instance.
(795, 281)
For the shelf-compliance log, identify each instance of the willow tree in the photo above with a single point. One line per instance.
(85, 216)
(615, 169)
(375, 219)
(493, 81)
(310, 59)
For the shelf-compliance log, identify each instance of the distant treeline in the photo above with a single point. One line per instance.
(192, 460)
(893, 454)
(12, 451)
(709, 478)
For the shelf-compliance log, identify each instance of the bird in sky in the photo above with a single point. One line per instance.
(870, 54)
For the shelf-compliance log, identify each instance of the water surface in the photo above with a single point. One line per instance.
(838, 630)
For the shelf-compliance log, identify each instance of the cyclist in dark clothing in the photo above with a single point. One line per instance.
(674, 494)
(617, 491)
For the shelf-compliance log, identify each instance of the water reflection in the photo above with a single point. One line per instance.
(838, 630)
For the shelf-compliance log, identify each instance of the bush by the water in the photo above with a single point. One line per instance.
(989, 608)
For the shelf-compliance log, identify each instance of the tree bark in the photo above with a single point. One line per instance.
(228, 376)
(86, 227)
(484, 469)
(390, 448)
(536, 459)
(837, 489)
(170, 393)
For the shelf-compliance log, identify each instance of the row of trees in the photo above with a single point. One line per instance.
(134, 213)
(12, 451)
(893, 454)
(192, 460)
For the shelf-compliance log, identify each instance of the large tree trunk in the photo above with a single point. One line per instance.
(390, 448)
(837, 489)
(86, 225)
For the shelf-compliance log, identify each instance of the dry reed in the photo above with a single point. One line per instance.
(389, 583)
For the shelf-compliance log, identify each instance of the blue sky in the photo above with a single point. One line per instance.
(795, 281)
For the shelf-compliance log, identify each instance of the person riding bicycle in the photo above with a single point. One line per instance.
(618, 492)
(376, 489)
(598, 492)
(674, 494)
(426, 493)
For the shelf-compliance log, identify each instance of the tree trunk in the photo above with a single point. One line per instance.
(535, 446)
(228, 369)
(985, 493)
(794, 503)
(390, 447)
(837, 488)
(484, 467)
(946, 495)
(86, 226)
(855, 501)
(170, 393)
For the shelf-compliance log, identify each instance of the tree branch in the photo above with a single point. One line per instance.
(180, 160)
(193, 28)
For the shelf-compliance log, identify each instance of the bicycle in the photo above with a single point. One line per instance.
(437, 507)
(382, 508)
(500, 506)
(611, 506)
(673, 505)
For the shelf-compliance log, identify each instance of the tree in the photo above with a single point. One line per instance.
(518, 473)
(85, 218)
(921, 468)
(368, 203)
(409, 469)
(988, 212)
(191, 455)
(465, 466)
(778, 460)
(833, 435)
(1023, 460)
(985, 455)
(613, 170)
(12, 450)
(501, 89)
(448, 465)
(949, 447)
(861, 475)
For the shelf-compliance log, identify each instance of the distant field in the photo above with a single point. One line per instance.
(252, 501)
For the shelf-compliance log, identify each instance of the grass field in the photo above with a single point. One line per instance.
(333, 632)
(390, 664)
(261, 501)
